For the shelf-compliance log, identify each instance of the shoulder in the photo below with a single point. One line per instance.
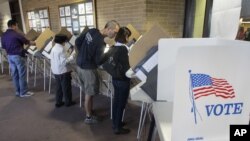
(122, 48)
(57, 48)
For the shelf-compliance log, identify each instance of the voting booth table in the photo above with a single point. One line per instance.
(143, 59)
(203, 87)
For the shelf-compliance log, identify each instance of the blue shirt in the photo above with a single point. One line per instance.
(13, 42)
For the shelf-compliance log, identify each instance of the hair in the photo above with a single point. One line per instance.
(122, 34)
(60, 38)
(12, 23)
(112, 24)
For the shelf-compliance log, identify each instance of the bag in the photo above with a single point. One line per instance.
(112, 66)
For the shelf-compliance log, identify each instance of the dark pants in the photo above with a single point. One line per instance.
(121, 90)
(63, 87)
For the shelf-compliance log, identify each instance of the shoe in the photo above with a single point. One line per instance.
(123, 124)
(71, 104)
(28, 94)
(17, 94)
(121, 131)
(58, 105)
(91, 120)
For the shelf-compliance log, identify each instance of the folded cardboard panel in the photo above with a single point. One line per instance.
(134, 33)
(32, 35)
(64, 31)
(144, 44)
(44, 38)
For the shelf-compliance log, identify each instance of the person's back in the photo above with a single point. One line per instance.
(90, 46)
(62, 73)
(13, 42)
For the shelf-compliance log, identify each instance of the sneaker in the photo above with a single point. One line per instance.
(17, 94)
(25, 95)
(28, 94)
(121, 131)
(91, 120)
(122, 125)
(70, 104)
(58, 105)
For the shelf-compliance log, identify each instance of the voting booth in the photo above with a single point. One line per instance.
(209, 92)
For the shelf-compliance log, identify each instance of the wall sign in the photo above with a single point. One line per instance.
(38, 19)
(76, 16)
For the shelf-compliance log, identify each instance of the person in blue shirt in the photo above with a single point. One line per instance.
(13, 43)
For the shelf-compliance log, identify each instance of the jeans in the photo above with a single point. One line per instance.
(63, 88)
(18, 73)
(121, 93)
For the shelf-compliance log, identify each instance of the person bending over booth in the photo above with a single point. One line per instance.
(61, 71)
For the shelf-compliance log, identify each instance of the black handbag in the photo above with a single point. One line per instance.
(111, 65)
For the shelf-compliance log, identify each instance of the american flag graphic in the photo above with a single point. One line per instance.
(204, 85)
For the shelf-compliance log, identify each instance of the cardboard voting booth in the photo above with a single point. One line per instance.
(144, 44)
(168, 49)
(46, 35)
(211, 85)
(42, 41)
(65, 32)
(32, 35)
(135, 35)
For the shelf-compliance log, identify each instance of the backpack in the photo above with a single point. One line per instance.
(111, 65)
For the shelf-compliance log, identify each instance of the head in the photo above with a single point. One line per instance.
(123, 35)
(111, 28)
(60, 39)
(12, 24)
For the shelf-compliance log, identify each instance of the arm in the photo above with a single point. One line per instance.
(64, 59)
(100, 55)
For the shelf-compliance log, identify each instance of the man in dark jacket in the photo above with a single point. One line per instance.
(90, 46)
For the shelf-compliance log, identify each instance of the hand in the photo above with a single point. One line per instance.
(32, 43)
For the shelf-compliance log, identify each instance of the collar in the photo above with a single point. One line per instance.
(121, 44)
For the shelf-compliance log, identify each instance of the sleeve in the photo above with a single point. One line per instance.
(100, 55)
(64, 59)
(79, 40)
(3, 43)
(23, 39)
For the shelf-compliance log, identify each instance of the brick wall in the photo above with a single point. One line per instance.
(124, 11)
(53, 10)
(140, 13)
(168, 13)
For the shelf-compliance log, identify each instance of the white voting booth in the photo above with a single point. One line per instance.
(206, 83)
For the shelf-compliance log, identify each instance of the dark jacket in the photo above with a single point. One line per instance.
(121, 57)
(90, 46)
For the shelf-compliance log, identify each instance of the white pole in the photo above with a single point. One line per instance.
(22, 17)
